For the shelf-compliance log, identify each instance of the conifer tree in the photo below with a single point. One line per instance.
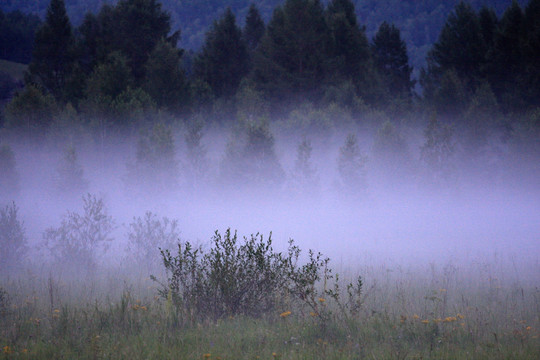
(70, 174)
(9, 177)
(53, 55)
(223, 61)
(349, 47)
(165, 80)
(13, 242)
(461, 31)
(293, 54)
(391, 60)
(352, 167)
(254, 28)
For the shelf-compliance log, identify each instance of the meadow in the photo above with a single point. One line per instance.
(478, 310)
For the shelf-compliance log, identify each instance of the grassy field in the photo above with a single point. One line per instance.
(427, 313)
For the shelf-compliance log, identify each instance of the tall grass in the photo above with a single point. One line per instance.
(428, 312)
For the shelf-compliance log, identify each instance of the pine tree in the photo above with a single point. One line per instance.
(70, 174)
(392, 62)
(223, 60)
(507, 59)
(9, 177)
(437, 151)
(53, 55)
(139, 25)
(352, 167)
(165, 80)
(349, 47)
(461, 31)
(13, 242)
(254, 28)
(293, 54)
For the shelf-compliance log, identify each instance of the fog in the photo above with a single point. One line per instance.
(487, 212)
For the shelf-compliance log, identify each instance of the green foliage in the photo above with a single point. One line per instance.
(70, 174)
(254, 29)
(250, 158)
(13, 241)
(292, 55)
(165, 80)
(438, 150)
(349, 51)
(155, 166)
(53, 54)
(139, 25)
(392, 62)
(391, 154)
(223, 60)
(352, 167)
(76, 242)
(461, 30)
(305, 179)
(30, 112)
(148, 234)
(238, 279)
(9, 177)
(196, 152)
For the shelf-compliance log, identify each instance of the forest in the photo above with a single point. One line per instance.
(157, 159)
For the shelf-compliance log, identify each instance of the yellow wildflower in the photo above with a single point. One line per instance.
(425, 321)
(312, 313)
(135, 307)
(274, 354)
(7, 350)
(285, 314)
(207, 355)
(450, 319)
(56, 311)
(459, 316)
(528, 328)
(322, 299)
(143, 308)
(416, 317)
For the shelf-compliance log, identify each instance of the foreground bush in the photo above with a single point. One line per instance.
(248, 279)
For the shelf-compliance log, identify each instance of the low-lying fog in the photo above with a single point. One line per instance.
(483, 209)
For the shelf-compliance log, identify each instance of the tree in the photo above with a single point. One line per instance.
(250, 158)
(531, 82)
(147, 236)
(507, 60)
(53, 55)
(70, 174)
(9, 177)
(165, 80)
(437, 151)
(155, 169)
(12, 239)
(392, 62)
(352, 167)
(30, 112)
(254, 28)
(349, 47)
(139, 25)
(461, 31)
(223, 60)
(76, 242)
(293, 53)
(390, 155)
(304, 177)
(196, 152)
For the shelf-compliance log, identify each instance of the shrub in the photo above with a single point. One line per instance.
(147, 234)
(76, 241)
(247, 278)
(12, 239)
